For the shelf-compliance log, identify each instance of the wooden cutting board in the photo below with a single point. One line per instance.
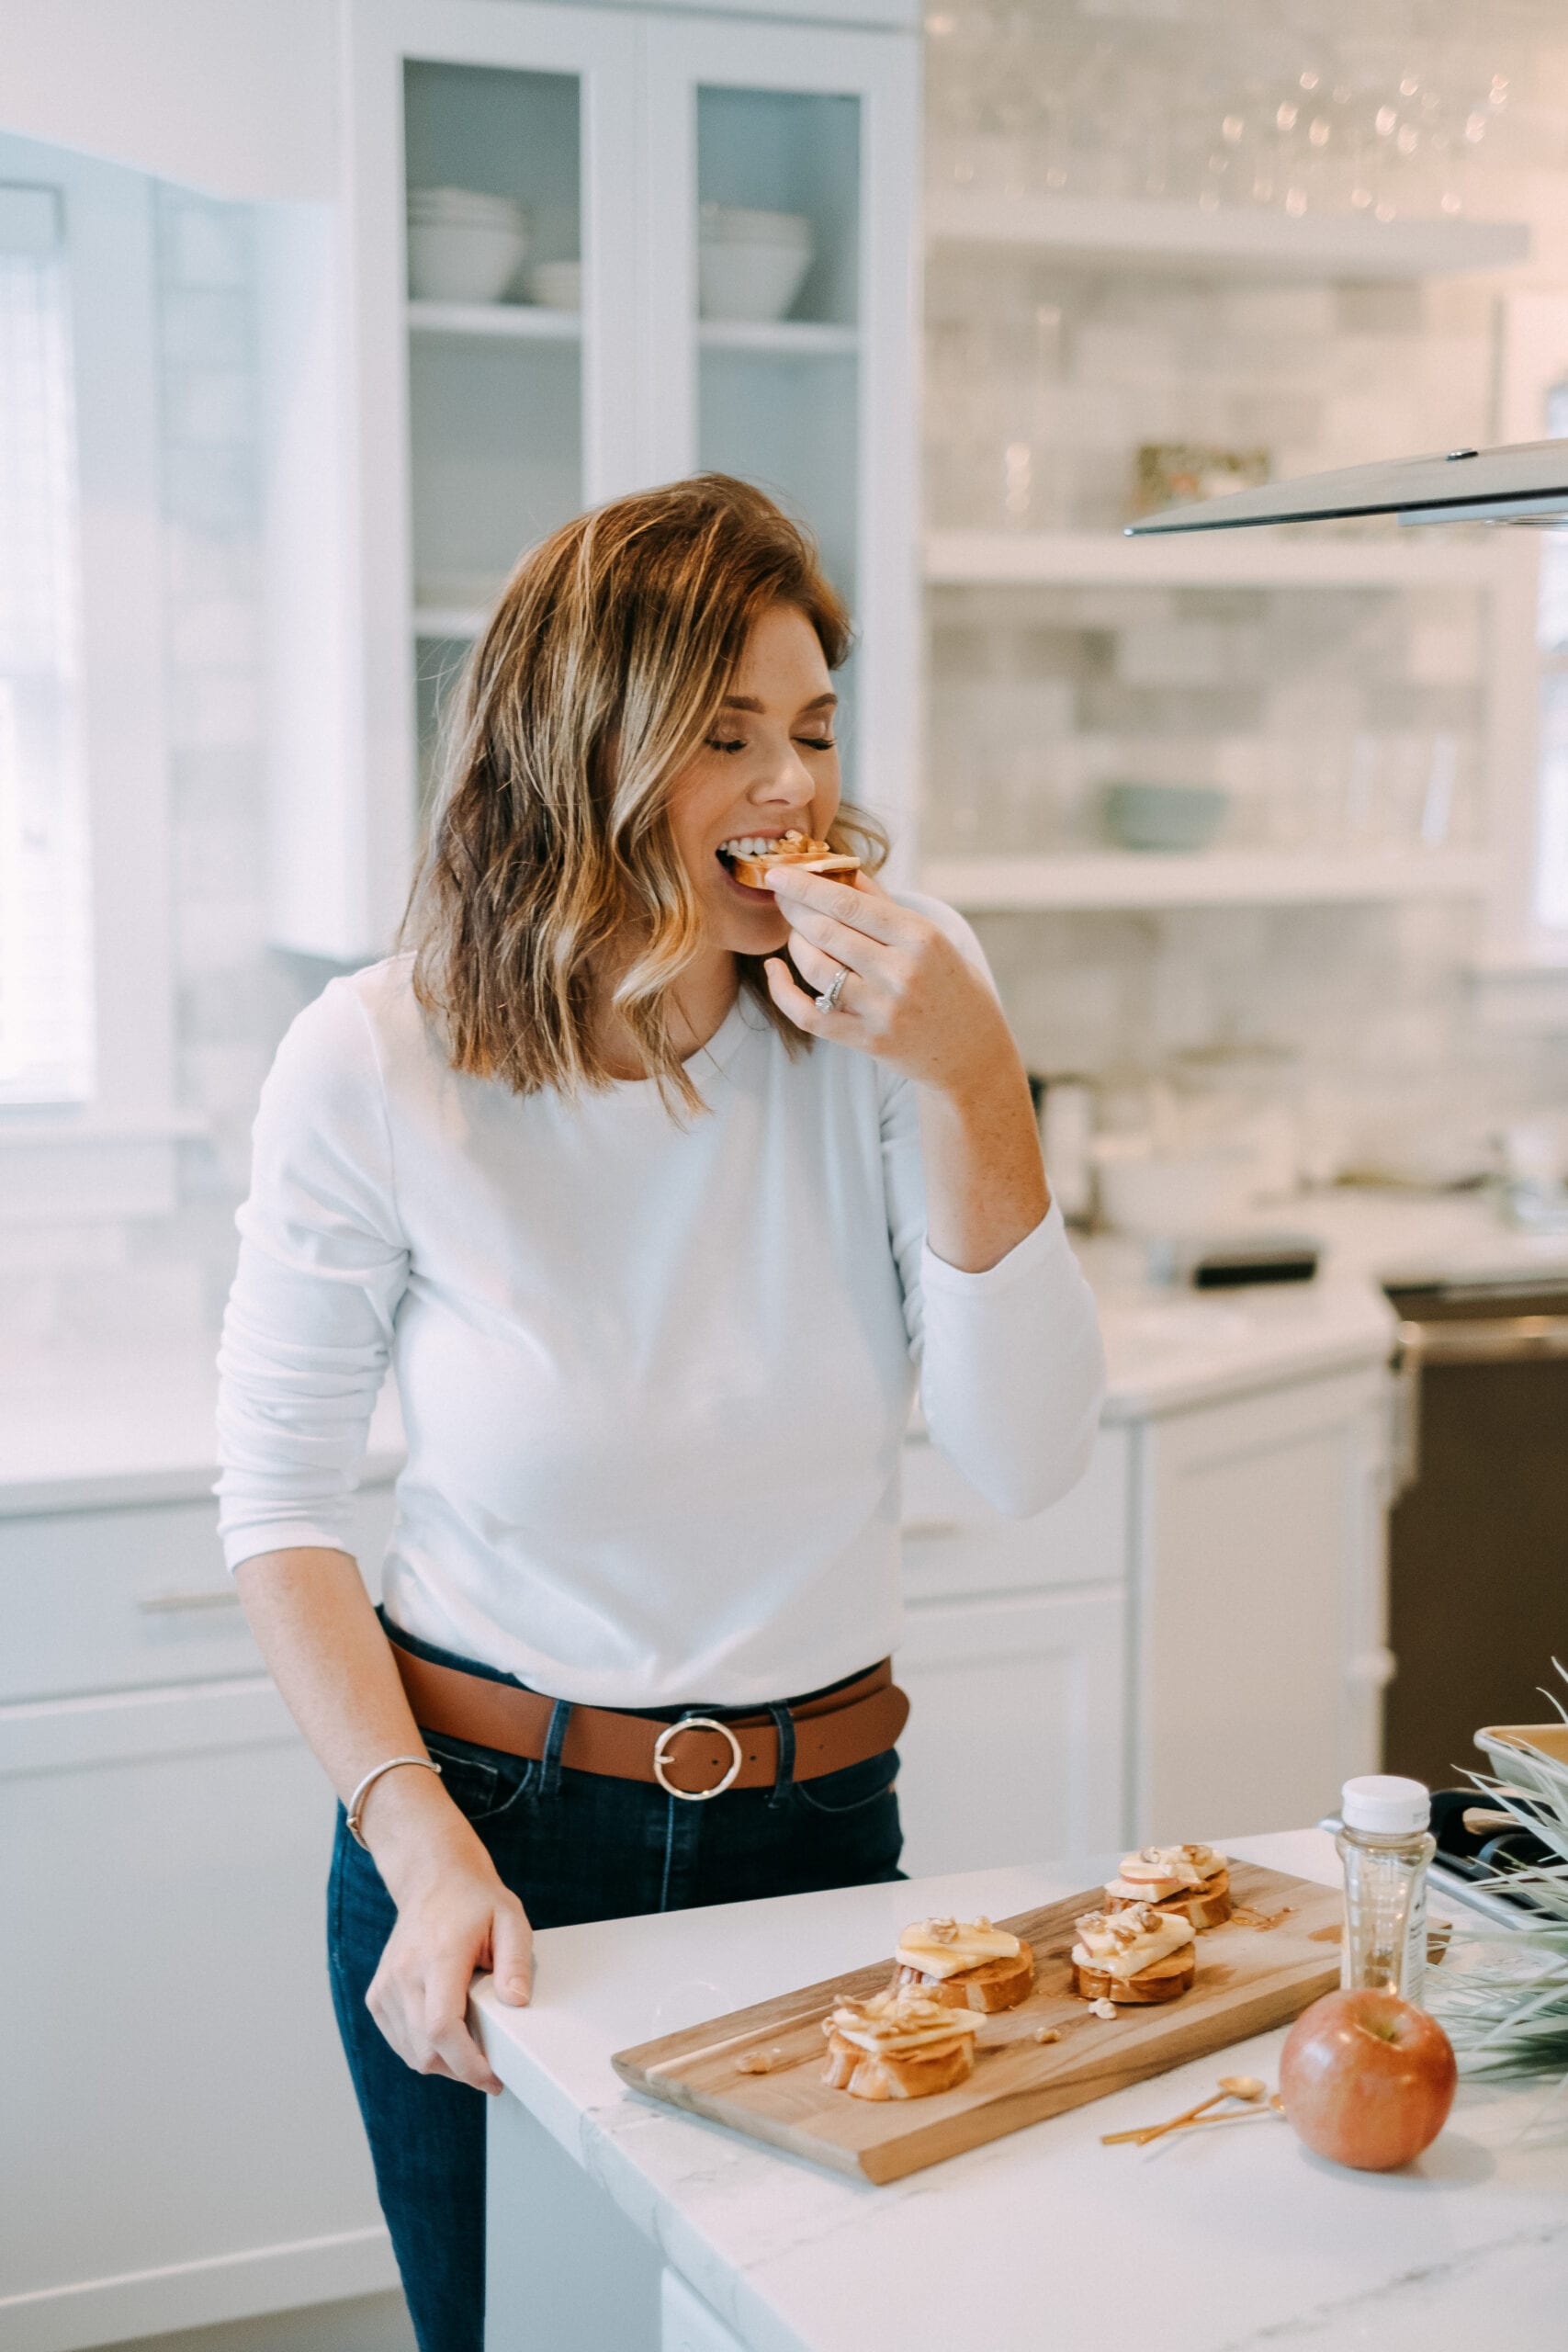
(1249, 1979)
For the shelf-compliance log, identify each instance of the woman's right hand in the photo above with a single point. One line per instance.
(454, 1918)
(310, 1611)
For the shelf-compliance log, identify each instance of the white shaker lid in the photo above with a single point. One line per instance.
(1384, 1804)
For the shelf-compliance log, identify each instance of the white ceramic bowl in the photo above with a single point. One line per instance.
(749, 282)
(1167, 1196)
(463, 262)
(557, 285)
(1500, 1744)
(1165, 815)
(739, 224)
(463, 203)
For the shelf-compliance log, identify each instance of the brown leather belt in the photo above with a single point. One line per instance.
(697, 1757)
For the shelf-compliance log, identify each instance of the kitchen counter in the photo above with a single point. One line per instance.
(1168, 1349)
(96, 1430)
(1218, 2242)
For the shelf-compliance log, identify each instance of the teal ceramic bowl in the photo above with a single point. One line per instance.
(1165, 815)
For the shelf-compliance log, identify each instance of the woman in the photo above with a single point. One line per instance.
(654, 1187)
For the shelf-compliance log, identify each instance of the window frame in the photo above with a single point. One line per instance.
(114, 1155)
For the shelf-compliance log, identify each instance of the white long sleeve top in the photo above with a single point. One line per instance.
(655, 1375)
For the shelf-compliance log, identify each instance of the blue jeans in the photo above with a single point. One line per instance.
(574, 1847)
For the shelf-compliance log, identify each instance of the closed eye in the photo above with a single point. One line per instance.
(811, 742)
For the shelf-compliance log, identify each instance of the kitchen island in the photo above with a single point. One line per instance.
(616, 2221)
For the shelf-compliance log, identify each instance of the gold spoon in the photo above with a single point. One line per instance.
(1275, 2106)
(1242, 2086)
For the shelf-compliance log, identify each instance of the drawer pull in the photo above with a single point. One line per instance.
(171, 1600)
(945, 1528)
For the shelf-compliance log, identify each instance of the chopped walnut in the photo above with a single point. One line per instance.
(759, 2062)
(1047, 2033)
(1104, 2007)
(942, 1932)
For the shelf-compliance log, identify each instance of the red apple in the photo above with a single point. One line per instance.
(1367, 2080)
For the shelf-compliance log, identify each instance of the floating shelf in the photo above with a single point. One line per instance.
(495, 321)
(1282, 556)
(1213, 878)
(789, 338)
(1126, 234)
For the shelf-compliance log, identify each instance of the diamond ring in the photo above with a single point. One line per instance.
(828, 1000)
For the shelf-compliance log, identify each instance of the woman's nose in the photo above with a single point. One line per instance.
(785, 779)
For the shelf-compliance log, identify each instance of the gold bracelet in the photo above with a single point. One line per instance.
(357, 1802)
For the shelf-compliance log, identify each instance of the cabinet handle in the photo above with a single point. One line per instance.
(1404, 1414)
(934, 1527)
(170, 1600)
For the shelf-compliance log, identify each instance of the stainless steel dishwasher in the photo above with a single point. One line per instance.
(1478, 1540)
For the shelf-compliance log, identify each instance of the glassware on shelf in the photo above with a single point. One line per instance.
(1335, 117)
(995, 461)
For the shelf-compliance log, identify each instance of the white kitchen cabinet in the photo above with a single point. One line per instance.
(1190, 1644)
(1014, 1745)
(182, 2144)
(1258, 1606)
(957, 1547)
(467, 432)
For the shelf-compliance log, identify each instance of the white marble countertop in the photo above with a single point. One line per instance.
(83, 1430)
(1223, 2241)
(1171, 1348)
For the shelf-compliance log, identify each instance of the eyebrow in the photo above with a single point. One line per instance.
(749, 702)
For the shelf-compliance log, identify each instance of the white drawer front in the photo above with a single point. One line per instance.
(954, 1544)
(114, 1599)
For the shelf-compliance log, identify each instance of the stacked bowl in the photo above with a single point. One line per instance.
(463, 246)
(557, 285)
(750, 265)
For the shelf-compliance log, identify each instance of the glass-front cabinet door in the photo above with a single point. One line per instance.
(588, 249)
(781, 217)
(493, 271)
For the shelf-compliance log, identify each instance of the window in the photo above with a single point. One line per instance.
(87, 1125)
(46, 1002)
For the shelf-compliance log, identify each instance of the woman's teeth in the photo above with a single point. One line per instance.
(754, 844)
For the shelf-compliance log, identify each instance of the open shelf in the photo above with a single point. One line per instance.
(1133, 234)
(1272, 557)
(798, 338)
(487, 322)
(1114, 878)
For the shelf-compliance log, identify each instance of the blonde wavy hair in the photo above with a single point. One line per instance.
(550, 862)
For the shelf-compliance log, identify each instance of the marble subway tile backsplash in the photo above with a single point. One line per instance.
(1336, 719)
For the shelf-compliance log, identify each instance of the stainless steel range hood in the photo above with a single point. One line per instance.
(1526, 482)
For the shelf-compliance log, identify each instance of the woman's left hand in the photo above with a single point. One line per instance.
(910, 998)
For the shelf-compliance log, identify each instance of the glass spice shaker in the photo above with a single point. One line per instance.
(1385, 1846)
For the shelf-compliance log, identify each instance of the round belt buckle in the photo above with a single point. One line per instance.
(696, 1722)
